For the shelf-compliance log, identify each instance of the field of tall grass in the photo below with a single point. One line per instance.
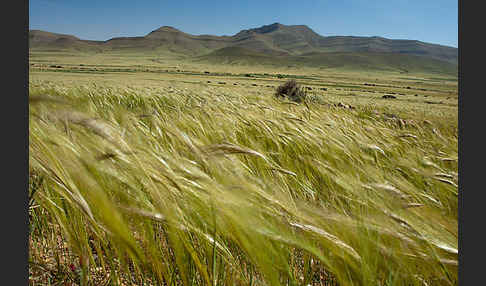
(150, 186)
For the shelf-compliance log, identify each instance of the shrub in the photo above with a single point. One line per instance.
(291, 90)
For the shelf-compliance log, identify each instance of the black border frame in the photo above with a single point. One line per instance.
(15, 81)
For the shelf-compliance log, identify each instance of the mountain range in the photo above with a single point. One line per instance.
(273, 44)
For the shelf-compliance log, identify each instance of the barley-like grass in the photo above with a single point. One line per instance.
(179, 186)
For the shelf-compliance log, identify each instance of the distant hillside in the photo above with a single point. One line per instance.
(275, 43)
(41, 40)
(378, 44)
(377, 61)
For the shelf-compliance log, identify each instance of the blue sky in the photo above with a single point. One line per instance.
(433, 21)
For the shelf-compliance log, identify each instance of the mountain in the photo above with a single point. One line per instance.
(42, 40)
(300, 39)
(275, 43)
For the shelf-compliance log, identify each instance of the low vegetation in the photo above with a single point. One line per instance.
(291, 90)
(161, 185)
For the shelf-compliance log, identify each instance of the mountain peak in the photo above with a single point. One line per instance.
(265, 29)
(276, 25)
(268, 28)
(163, 32)
(167, 29)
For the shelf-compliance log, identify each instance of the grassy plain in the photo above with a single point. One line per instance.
(148, 170)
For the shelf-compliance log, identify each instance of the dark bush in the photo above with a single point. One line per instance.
(291, 90)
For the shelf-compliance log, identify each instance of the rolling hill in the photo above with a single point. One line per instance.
(41, 40)
(274, 44)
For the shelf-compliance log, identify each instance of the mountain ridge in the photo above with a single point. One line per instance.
(274, 40)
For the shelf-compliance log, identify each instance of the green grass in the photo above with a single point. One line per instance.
(184, 184)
